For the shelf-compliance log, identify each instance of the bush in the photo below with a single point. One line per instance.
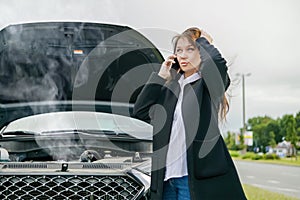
(271, 156)
(257, 157)
(234, 153)
(252, 156)
(248, 155)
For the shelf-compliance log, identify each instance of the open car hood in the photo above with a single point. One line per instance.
(64, 66)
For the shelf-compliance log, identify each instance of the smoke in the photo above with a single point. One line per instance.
(27, 73)
(57, 62)
(15, 11)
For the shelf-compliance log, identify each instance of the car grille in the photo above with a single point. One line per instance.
(68, 187)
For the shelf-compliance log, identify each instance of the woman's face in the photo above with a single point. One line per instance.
(188, 56)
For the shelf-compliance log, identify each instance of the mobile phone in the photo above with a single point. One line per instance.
(176, 65)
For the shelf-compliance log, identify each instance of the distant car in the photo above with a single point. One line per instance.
(67, 91)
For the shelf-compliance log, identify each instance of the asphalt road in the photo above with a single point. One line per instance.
(277, 178)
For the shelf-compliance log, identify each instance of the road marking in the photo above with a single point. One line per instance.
(251, 177)
(273, 181)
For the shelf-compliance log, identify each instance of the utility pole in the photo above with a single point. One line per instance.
(243, 103)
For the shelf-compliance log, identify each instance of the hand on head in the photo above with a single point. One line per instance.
(195, 33)
(206, 36)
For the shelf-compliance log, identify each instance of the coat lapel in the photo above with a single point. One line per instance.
(191, 114)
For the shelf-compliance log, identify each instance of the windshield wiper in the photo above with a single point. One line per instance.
(102, 133)
(19, 133)
(107, 133)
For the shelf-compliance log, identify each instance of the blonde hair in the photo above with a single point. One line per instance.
(195, 33)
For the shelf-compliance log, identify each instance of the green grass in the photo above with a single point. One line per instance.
(255, 193)
(282, 161)
(250, 156)
(288, 161)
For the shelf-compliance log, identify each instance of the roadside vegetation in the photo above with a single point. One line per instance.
(270, 138)
(255, 193)
(267, 158)
(274, 141)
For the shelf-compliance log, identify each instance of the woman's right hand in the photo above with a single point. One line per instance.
(164, 71)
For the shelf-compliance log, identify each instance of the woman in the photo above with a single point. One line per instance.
(190, 159)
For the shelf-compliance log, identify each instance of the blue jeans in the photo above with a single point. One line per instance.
(176, 189)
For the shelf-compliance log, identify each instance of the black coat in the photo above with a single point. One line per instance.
(212, 174)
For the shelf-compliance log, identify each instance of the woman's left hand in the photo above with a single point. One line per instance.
(206, 36)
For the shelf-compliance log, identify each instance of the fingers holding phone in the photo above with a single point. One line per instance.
(171, 60)
(175, 64)
(164, 71)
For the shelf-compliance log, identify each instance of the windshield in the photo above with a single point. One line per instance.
(59, 122)
(79, 136)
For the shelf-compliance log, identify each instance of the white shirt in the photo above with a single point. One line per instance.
(176, 163)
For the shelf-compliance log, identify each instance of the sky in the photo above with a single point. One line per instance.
(254, 36)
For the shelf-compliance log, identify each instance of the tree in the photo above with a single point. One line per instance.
(273, 126)
(230, 141)
(263, 131)
(297, 118)
(272, 141)
(288, 129)
(269, 132)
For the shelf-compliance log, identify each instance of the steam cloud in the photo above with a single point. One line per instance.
(50, 71)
